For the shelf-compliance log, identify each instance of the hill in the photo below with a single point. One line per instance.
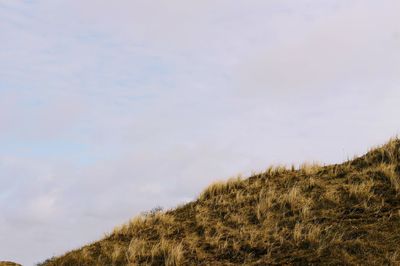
(8, 263)
(346, 214)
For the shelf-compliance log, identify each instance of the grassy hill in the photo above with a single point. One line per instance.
(347, 213)
(8, 263)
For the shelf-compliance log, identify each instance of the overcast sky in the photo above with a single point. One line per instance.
(111, 108)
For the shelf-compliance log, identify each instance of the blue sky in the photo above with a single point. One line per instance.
(110, 109)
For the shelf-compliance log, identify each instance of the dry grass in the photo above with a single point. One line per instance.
(8, 263)
(345, 214)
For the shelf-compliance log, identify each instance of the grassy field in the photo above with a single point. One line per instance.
(347, 214)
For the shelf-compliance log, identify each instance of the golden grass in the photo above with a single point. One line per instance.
(344, 214)
(8, 263)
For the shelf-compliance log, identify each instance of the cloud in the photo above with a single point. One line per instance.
(353, 47)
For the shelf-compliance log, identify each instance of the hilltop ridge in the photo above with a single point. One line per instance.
(345, 213)
(8, 263)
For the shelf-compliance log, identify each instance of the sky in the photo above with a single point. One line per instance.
(112, 108)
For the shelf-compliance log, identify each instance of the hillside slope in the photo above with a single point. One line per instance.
(339, 214)
(8, 263)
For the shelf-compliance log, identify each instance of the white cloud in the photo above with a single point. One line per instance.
(354, 47)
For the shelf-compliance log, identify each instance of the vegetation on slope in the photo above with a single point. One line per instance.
(8, 263)
(339, 214)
